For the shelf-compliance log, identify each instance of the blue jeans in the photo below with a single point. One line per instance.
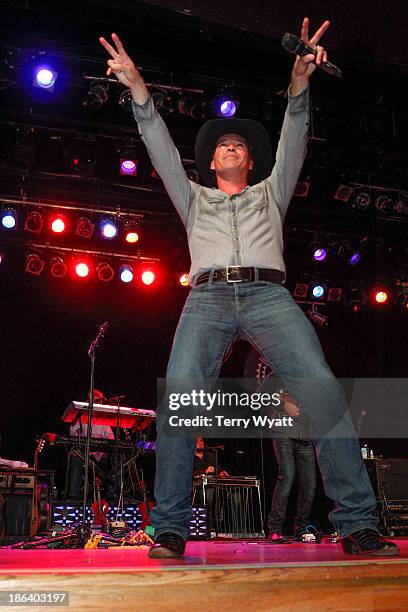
(265, 314)
(293, 457)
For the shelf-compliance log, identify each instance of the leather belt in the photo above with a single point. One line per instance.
(239, 274)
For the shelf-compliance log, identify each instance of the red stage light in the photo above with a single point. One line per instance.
(58, 224)
(380, 296)
(148, 277)
(81, 269)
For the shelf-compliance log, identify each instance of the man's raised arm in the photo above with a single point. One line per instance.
(155, 135)
(291, 150)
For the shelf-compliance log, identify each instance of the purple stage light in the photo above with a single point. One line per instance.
(128, 166)
(320, 254)
(227, 108)
(355, 258)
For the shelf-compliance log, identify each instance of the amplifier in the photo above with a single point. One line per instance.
(17, 480)
(389, 478)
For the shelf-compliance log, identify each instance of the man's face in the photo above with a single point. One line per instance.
(231, 159)
(199, 442)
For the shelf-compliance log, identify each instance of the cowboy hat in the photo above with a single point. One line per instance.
(255, 135)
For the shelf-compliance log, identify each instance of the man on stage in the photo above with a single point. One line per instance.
(234, 228)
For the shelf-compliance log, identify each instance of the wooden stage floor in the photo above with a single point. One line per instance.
(232, 575)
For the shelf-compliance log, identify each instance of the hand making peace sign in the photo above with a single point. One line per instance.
(305, 66)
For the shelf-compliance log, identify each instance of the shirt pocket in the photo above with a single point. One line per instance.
(257, 198)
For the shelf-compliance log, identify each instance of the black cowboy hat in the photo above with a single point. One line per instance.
(255, 135)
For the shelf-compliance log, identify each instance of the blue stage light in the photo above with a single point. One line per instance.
(318, 291)
(45, 78)
(228, 108)
(109, 229)
(355, 258)
(126, 274)
(320, 254)
(9, 219)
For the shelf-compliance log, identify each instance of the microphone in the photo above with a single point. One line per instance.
(215, 447)
(104, 327)
(294, 44)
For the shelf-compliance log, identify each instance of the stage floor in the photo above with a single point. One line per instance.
(231, 574)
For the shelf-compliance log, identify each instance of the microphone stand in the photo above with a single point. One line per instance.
(91, 354)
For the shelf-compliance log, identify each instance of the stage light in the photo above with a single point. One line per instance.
(317, 291)
(128, 166)
(104, 271)
(58, 267)
(2, 257)
(34, 264)
(97, 96)
(188, 105)
(193, 175)
(401, 205)
(58, 224)
(45, 78)
(361, 200)
(225, 106)
(131, 232)
(125, 100)
(148, 277)
(9, 218)
(355, 297)
(334, 294)
(381, 295)
(34, 222)
(109, 229)
(163, 102)
(301, 290)
(343, 193)
(383, 203)
(320, 254)
(126, 273)
(184, 280)
(84, 227)
(81, 268)
(302, 189)
(355, 258)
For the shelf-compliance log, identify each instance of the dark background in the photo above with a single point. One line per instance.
(359, 131)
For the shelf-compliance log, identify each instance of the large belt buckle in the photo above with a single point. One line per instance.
(228, 272)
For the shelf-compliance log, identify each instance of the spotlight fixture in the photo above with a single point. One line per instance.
(225, 106)
(9, 218)
(84, 227)
(44, 78)
(401, 205)
(148, 277)
(355, 297)
(380, 295)
(34, 264)
(317, 291)
(302, 189)
(58, 267)
(319, 251)
(109, 229)
(384, 203)
(105, 271)
(334, 294)
(81, 268)
(188, 105)
(301, 290)
(193, 175)
(361, 200)
(34, 222)
(317, 317)
(126, 273)
(97, 96)
(132, 232)
(125, 100)
(401, 299)
(184, 280)
(58, 224)
(163, 102)
(343, 193)
(128, 166)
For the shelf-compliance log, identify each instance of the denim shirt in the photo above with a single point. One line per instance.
(244, 229)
